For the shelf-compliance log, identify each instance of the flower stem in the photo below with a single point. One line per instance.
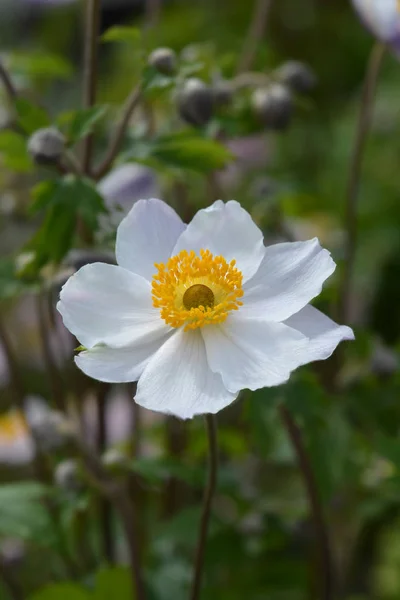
(118, 494)
(130, 105)
(254, 34)
(15, 378)
(353, 183)
(55, 379)
(90, 71)
(211, 424)
(325, 568)
(7, 83)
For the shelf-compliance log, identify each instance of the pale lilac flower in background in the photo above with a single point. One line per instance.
(382, 18)
(121, 188)
(198, 312)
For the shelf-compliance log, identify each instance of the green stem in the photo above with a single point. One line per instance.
(211, 424)
(90, 71)
(324, 568)
(353, 183)
(254, 34)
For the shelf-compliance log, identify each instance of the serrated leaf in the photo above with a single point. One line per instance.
(114, 583)
(13, 152)
(82, 122)
(39, 65)
(23, 514)
(120, 33)
(30, 116)
(61, 591)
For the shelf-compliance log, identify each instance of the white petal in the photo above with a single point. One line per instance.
(178, 380)
(324, 333)
(290, 275)
(118, 365)
(252, 353)
(107, 304)
(146, 236)
(380, 16)
(227, 230)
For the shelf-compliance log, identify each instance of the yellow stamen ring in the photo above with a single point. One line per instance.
(194, 291)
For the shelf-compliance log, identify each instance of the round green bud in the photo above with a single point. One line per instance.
(195, 102)
(163, 60)
(46, 146)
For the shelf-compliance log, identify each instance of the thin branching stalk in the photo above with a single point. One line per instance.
(116, 142)
(353, 183)
(90, 71)
(6, 80)
(55, 379)
(15, 377)
(106, 514)
(153, 13)
(324, 567)
(254, 35)
(118, 494)
(211, 424)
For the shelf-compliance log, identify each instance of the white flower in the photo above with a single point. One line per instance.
(197, 313)
(382, 17)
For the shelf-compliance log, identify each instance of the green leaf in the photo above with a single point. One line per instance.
(121, 34)
(10, 284)
(114, 583)
(65, 200)
(30, 116)
(13, 152)
(82, 122)
(184, 150)
(39, 65)
(23, 514)
(61, 591)
(191, 152)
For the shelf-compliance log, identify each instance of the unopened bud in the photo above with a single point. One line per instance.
(46, 146)
(115, 461)
(52, 430)
(298, 76)
(163, 60)
(195, 102)
(273, 106)
(68, 476)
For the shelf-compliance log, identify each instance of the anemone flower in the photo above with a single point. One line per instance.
(198, 312)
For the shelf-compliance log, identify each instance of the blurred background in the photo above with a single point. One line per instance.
(292, 178)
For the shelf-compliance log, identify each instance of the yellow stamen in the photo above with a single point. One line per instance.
(194, 291)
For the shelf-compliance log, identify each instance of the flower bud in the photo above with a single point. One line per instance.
(273, 106)
(163, 60)
(298, 76)
(222, 92)
(51, 429)
(115, 461)
(46, 146)
(195, 102)
(67, 476)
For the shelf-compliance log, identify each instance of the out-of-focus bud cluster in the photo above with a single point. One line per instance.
(382, 18)
(273, 104)
(51, 429)
(46, 146)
